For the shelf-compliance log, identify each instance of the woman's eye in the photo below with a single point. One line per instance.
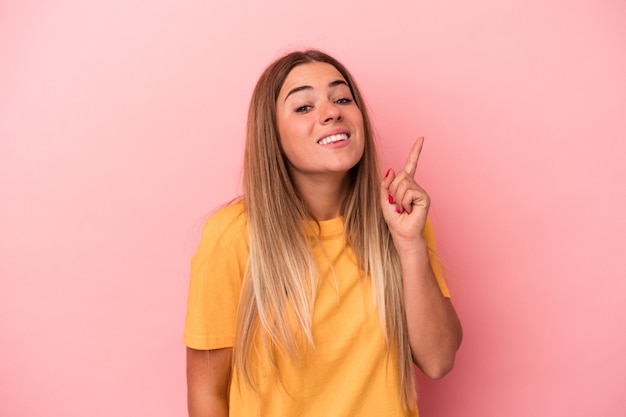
(303, 109)
(343, 101)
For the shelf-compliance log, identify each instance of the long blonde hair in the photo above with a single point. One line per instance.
(279, 290)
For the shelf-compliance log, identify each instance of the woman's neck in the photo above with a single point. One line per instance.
(323, 194)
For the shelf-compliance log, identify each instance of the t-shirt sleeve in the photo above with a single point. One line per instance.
(217, 270)
(435, 264)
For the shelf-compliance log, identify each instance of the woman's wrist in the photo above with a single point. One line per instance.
(411, 247)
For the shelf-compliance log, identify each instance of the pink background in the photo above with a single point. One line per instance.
(122, 124)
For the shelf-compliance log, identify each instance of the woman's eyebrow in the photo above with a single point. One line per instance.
(295, 90)
(338, 82)
(308, 87)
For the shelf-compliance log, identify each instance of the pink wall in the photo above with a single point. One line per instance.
(121, 125)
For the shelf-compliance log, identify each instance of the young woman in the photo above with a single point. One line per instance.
(315, 293)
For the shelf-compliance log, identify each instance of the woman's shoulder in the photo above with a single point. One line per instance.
(230, 212)
(227, 222)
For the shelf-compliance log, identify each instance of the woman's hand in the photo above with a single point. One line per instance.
(405, 204)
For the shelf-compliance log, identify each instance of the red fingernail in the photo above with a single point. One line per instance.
(388, 171)
(390, 198)
(398, 209)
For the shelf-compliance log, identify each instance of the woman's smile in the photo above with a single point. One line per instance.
(334, 138)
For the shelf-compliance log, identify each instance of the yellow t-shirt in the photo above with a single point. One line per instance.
(348, 373)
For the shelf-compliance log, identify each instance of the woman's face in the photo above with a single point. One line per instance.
(319, 124)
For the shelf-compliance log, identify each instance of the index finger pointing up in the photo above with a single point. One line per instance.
(414, 155)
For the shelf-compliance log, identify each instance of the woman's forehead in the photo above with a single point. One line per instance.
(310, 76)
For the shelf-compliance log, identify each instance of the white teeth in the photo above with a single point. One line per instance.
(333, 138)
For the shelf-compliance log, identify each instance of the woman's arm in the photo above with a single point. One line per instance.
(434, 329)
(208, 379)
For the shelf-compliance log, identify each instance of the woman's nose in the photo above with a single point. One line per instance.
(330, 112)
